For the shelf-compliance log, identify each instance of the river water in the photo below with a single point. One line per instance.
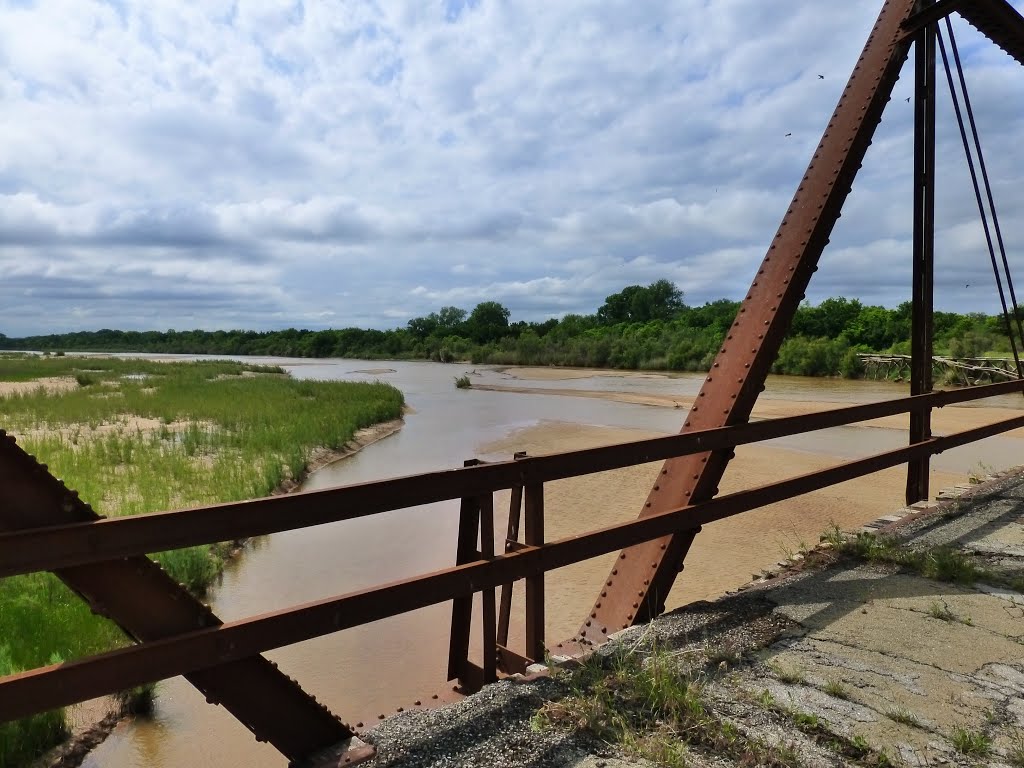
(372, 669)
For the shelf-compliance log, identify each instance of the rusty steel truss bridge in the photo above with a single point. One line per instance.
(45, 526)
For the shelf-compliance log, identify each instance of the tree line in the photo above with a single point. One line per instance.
(640, 327)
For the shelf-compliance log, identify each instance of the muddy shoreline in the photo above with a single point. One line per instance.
(99, 717)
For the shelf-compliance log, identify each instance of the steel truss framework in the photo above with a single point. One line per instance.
(637, 589)
(44, 525)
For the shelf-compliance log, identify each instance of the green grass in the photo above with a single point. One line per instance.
(652, 708)
(970, 743)
(224, 436)
(805, 719)
(23, 740)
(940, 563)
(903, 716)
(941, 611)
(225, 432)
(791, 675)
(835, 687)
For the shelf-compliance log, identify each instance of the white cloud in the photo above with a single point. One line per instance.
(268, 164)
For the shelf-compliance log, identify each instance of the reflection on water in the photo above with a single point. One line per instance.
(366, 670)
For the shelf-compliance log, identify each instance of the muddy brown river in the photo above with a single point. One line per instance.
(375, 668)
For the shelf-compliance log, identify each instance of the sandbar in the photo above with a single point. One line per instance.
(952, 418)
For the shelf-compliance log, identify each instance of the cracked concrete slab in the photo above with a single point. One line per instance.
(910, 665)
(929, 672)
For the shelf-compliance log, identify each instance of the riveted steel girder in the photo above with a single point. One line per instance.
(638, 585)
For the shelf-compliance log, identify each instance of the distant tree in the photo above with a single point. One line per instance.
(661, 300)
(450, 319)
(541, 329)
(715, 315)
(617, 308)
(828, 319)
(488, 322)
(665, 300)
(422, 327)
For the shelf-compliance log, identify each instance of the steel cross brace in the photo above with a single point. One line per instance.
(147, 604)
(637, 587)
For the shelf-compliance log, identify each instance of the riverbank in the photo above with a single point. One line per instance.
(91, 722)
(899, 648)
(322, 456)
(138, 436)
(752, 540)
(953, 418)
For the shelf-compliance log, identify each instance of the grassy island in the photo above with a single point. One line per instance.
(136, 436)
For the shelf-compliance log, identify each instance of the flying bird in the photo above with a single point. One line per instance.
(821, 77)
(908, 99)
(789, 134)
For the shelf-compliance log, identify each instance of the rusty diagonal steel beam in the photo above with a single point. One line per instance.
(996, 19)
(149, 606)
(636, 588)
(999, 22)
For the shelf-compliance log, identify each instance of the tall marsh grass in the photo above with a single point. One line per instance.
(140, 436)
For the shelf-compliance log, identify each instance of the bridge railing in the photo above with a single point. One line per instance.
(478, 571)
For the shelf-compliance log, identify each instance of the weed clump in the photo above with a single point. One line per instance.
(652, 708)
(971, 743)
(940, 563)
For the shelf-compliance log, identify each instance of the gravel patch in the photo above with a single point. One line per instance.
(490, 729)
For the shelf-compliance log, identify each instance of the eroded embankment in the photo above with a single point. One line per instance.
(901, 647)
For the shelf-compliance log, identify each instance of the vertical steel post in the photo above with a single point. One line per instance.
(462, 607)
(924, 250)
(489, 622)
(534, 537)
(515, 508)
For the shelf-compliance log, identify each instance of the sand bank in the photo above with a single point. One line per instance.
(50, 385)
(564, 374)
(952, 418)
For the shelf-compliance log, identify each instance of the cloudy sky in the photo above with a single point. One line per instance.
(264, 164)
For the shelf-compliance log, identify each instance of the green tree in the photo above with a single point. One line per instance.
(828, 319)
(661, 300)
(422, 327)
(450, 319)
(487, 322)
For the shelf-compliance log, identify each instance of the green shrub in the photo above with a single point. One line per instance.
(193, 567)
